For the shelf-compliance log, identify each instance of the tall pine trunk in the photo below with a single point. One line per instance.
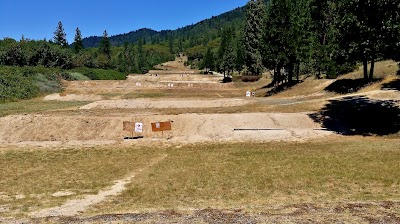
(371, 71)
(365, 66)
(275, 79)
(278, 75)
(290, 72)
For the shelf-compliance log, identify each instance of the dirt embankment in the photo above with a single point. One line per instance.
(186, 128)
(167, 103)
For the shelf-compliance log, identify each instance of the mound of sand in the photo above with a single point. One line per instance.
(164, 103)
(186, 128)
(72, 97)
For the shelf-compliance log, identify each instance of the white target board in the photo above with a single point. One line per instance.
(138, 127)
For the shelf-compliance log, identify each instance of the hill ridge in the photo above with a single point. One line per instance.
(213, 24)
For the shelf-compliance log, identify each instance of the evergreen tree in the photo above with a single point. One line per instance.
(275, 38)
(78, 44)
(140, 57)
(121, 63)
(254, 28)
(288, 38)
(227, 51)
(180, 44)
(209, 60)
(364, 37)
(239, 63)
(323, 18)
(105, 45)
(171, 45)
(129, 53)
(301, 36)
(60, 38)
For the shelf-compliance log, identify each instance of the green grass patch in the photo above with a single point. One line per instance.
(35, 105)
(99, 74)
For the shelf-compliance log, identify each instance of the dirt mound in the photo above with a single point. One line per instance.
(186, 128)
(165, 103)
(73, 97)
(172, 76)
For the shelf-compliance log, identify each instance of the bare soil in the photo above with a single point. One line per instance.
(134, 99)
(47, 130)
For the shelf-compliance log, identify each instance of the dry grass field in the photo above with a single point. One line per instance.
(309, 154)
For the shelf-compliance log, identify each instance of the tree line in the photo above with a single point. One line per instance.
(292, 37)
(131, 58)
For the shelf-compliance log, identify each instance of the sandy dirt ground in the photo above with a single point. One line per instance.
(47, 130)
(72, 97)
(166, 103)
(106, 127)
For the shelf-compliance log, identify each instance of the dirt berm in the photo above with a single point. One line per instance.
(189, 128)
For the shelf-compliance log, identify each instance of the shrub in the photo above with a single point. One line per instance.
(250, 78)
(99, 74)
(15, 85)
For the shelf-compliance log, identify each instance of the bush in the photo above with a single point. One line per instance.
(47, 85)
(15, 85)
(250, 78)
(99, 74)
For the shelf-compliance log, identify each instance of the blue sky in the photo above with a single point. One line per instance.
(37, 19)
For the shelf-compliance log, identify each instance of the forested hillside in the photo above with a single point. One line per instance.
(186, 37)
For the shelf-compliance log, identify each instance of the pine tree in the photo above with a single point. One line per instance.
(60, 38)
(288, 38)
(364, 37)
(301, 36)
(140, 57)
(254, 28)
(239, 63)
(105, 45)
(78, 44)
(275, 38)
(209, 60)
(227, 51)
(129, 54)
(171, 45)
(180, 45)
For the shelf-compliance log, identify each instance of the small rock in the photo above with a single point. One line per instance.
(4, 209)
(19, 196)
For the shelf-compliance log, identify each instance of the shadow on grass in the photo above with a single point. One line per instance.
(359, 116)
(270, 85)
(280, 88)
(343, 86)
(393, 85)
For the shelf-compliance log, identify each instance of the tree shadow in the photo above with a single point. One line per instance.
(227, 79)
(343, 86)
(359, 116)
(281, 87)
(270, 85)
(393, 85)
